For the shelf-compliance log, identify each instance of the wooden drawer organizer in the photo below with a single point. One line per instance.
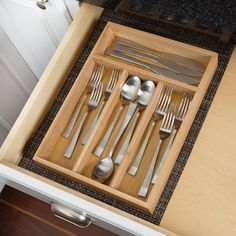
(122, 185)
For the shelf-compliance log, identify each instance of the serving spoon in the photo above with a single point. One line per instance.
(104, 168)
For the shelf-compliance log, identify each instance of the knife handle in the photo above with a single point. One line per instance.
(124, 57)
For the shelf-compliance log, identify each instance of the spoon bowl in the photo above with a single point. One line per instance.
(103, 170)
(130, 89)
(145, 93)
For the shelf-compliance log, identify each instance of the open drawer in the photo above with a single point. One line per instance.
(55, 151)
(41, 99)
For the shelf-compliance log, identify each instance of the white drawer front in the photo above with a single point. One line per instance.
(47, 193)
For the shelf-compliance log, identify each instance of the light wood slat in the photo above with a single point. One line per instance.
(83, 160)
(51, 151)
(145, 74)
(203, 202)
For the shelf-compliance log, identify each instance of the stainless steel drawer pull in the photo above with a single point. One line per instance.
(69, 215)
(41, 4)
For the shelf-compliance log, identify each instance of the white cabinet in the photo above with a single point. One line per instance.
(28, 38)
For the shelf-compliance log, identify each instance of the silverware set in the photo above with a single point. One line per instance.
(143, 94)
(171, 119)
(95, 91)
(93, 82)
(170, 124)
(164, 132)
(137, 96)
(170, 65)
(160, 111)
(128, 96)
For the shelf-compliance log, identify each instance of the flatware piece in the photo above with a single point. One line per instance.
(164, 132)
(162, 107)
(128, 94)
(92, 104)
(93, 82)
(156, 69)
(181, 60)
(179, 117)
(111, 84)
(145, 94)
(173, 66)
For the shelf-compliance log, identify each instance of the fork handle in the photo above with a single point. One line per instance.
(91, 127)
(133, 169)
(99, 150)
(69, 128)
(146, 183)
(171, 139)
(69, 151)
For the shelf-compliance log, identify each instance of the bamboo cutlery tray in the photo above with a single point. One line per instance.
(122, 185)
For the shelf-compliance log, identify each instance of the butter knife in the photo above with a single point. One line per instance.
(158, 70)
(184, 61)
(161, 61)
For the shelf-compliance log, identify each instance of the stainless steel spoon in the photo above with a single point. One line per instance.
(144, 96)
(104, 168)
(128, 94)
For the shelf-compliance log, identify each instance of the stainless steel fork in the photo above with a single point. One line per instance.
(92, 104)
(93, 82)
(164, 132)
(160, 111)
(179, 117)
(112, 82)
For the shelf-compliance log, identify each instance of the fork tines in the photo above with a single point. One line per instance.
(95, 96)
(168, 120)
(183, 106)
(96, 76)
(113, 80)
(164, 100)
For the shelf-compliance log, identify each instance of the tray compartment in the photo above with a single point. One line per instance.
(79, 167)
(137, 180)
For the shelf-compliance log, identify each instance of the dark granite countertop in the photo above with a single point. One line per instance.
(212, 16)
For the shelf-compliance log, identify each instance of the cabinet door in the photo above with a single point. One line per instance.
(36, 33)
(28, 38)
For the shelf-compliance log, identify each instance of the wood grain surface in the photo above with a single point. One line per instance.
(50, 153)
(204, 202)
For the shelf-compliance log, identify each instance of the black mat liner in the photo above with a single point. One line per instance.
(176, 33)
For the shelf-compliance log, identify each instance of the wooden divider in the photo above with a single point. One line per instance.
(79, 167)
(101, 123)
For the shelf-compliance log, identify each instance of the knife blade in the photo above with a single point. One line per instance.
(158, 70)
(181, 60)
(161, 61)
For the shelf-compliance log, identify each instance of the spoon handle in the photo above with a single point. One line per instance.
(99, 150)
(147, 180)
(127, 139)
(128, 116)
(133, 169)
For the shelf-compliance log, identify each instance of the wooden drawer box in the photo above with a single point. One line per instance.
(80, 165)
